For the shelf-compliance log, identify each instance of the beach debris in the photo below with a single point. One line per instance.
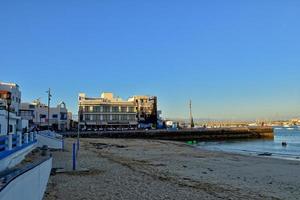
(284, 144)
(103, 145)
(192, 142)
(265, 154)
(209, 169)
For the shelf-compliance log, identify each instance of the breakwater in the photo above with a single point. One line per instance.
(184, 134)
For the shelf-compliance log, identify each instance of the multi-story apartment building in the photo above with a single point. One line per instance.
(146, 108)
(106, 111)
(37, 115)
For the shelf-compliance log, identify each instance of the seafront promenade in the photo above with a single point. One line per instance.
(183, 134)
(158, 169)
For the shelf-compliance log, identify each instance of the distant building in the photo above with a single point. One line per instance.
(37, 115)
(10, 95)
(146, 108)
(106, 112)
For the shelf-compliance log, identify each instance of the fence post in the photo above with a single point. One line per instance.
(19, 139)
(74, 156)
(34, 136)
(10, 142)
(31, 136)
(26, 138)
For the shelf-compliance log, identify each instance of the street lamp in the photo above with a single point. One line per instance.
(7, 96)
(78, 131)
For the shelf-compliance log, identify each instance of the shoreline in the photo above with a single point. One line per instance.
(160, 169)
(254, 154)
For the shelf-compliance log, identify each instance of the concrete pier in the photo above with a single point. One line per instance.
(184, 134)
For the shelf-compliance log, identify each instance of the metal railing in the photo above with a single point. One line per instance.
(14, 142)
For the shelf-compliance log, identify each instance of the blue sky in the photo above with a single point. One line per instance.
(234, 59)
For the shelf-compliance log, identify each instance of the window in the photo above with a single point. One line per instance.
(63, 116)
(123, 109)
(10, 128)
(42, 116)
(87, 117)
(97, 117)
(106, 108)
(132, 117)
(131, 109)
(31, 106)
(96, 109)
(115, 117)
(86, 109)
(123, 117)
(54, 116)
(115, 108)
(106, 117)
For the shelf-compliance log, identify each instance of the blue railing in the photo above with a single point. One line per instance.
(15, 142)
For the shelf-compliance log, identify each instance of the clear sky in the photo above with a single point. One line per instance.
(233, 58)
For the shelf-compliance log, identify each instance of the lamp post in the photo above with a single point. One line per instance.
(49, 99)
(8, 103)
(78, 131)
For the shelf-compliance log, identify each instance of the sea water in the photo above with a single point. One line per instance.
(275, 147)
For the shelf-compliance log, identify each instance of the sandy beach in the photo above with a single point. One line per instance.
(154, 169)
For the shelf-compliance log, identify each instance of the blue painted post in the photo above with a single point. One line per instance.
(74, 156)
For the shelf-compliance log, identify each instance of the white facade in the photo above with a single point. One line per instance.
(106, 111)
(15, 123)
(37, 115)
(15, 95)
(30, 185)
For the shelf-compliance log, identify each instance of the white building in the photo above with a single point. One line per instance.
(15, 95)
(37, 115)
(15, 122)
(106, 111)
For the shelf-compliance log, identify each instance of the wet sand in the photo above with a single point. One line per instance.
(153, 169)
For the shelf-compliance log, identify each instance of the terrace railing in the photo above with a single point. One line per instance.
(13, 142)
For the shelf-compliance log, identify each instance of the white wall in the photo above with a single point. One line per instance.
(15, 158)
(30, 185)
(15, 93)
(51, 139)
(13, 120)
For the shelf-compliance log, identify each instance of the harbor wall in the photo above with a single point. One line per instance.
(185, 134)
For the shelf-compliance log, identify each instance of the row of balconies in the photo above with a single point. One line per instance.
(107, 109)
(126, 117)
